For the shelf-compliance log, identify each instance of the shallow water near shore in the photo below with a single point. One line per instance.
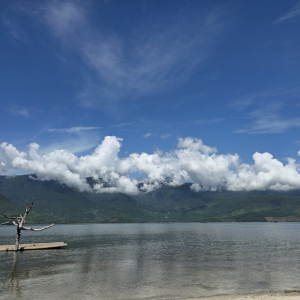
(152, 261)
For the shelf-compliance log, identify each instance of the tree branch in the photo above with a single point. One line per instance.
(6, 223)
(10, 218)
(36, 229)
(28, 208)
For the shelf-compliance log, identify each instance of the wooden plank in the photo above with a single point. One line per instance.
(35, 246)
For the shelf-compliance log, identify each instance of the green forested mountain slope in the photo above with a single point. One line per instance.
(7, 207)
(53, 198)
(167, 204)
(184, 204)
(10, 209)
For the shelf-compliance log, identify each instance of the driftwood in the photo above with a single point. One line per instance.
(35, 246)
(19, 221)
(292, 291)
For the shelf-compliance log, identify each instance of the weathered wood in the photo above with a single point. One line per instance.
(17, 239)
(19, 223)
(35, 246)
(292, 291)
(36, 229)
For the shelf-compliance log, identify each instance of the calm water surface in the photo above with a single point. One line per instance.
(152, 261)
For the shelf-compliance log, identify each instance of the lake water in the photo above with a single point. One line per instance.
(152, 261)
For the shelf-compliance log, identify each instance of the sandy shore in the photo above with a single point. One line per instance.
(261, 296)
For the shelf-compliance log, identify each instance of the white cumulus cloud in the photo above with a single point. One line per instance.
(191, 161)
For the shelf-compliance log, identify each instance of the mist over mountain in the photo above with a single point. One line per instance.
(192, 161)
(59, 203)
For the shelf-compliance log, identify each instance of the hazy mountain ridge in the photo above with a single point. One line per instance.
(61, 204)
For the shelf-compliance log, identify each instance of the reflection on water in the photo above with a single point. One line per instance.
(14, 279)
(152, 261)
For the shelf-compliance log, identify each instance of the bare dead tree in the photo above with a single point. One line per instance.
(19, 222)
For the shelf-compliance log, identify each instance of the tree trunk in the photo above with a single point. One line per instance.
(18, 239)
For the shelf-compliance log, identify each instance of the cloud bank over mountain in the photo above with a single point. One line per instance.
(191, 161)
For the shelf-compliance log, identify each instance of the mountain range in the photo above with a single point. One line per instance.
(58, 203)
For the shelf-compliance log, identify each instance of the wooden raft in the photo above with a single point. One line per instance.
(35, 246)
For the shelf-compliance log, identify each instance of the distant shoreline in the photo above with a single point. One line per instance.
(160, 222)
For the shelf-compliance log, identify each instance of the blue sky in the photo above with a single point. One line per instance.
(150, 72)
